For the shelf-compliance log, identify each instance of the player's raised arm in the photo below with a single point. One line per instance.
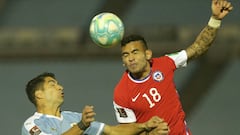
(220, 8)
(87, 117)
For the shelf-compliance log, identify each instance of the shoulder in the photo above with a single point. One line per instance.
(162, 61)
(32, 118)
(71, 115)
(30, 124)
(177, 59)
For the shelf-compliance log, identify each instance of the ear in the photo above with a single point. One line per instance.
(38, 94)
(148, 54)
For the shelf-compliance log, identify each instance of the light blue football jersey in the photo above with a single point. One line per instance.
(41, 124)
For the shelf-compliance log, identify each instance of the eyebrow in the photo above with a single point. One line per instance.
(131, 51)
(134, 50)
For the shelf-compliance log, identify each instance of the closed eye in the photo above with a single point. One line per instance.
(52, 82)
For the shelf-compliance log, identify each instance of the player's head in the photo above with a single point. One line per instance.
(132, 38)
(136, 55)
(36, 84)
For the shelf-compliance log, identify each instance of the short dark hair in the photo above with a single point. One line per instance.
(133, 37)
(35, 84)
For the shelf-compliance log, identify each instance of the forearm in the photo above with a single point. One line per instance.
(125, 129)
(202, 42)
(220, 8)
(77, 129)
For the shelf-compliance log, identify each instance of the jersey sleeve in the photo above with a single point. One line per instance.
(96, 128)
(179, 58)
(34, 130)
(25, 131)
(124, 115)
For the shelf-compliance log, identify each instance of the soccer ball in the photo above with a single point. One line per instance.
(106, 29)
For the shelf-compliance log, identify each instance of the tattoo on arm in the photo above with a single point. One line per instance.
(202, 42)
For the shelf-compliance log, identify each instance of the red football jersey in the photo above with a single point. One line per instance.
(139, 100)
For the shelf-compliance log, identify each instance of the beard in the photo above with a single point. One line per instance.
(138, 71)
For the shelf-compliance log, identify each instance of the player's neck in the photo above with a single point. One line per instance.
(141, 75)
(55, 111)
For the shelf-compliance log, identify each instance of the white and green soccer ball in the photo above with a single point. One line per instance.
(106, 29)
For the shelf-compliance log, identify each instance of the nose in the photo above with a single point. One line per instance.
(131, 57)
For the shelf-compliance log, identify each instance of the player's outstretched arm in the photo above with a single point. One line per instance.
(161, 129)
(134, 128)
(220, 8)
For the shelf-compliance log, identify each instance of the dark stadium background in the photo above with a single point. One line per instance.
(52, 36)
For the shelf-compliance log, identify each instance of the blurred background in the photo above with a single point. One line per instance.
(52, 36)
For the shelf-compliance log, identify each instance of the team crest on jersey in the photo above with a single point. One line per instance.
(122, 112)
(158, 76)
(35, 131)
